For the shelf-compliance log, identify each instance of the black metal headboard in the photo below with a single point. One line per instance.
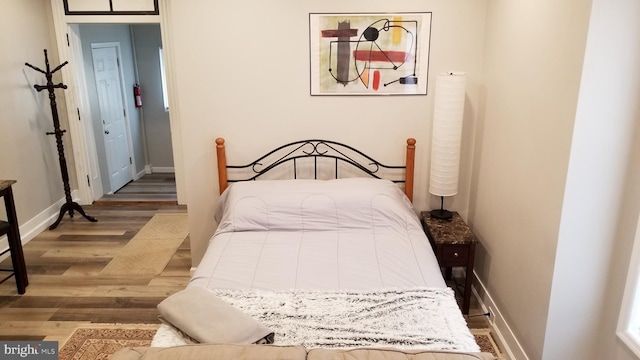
(315, 150)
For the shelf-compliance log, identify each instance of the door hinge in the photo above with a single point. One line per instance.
(130, 162)
(118, 61)
(88, 181)
(124, 112)
(78, 113)
(69, 45)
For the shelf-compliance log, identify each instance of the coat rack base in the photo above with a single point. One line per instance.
(70, 207)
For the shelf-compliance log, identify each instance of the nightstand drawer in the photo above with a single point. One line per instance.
(454, 255)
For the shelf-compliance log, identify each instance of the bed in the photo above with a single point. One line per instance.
(333, 257)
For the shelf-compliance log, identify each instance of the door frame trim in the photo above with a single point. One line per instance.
(84, 112)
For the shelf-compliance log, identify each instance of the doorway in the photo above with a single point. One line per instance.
(148, 145)
(67, 33)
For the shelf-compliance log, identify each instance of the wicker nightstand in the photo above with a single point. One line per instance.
(454, 245)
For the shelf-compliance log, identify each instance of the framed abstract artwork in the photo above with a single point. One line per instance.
(369, 54)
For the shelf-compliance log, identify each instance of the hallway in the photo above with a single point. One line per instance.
(158, 189)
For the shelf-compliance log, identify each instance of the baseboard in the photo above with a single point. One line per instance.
(34, 226)
(504, 336)
(150, 169)
(157, 169)
(141, 173)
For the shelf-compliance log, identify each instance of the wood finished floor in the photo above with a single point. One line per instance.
(65, 286)
(66, 289)
(157, 189)
(475, 319)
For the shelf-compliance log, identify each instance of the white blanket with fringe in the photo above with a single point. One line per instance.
(418, 318)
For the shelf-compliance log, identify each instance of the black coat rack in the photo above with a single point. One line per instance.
(69, 206)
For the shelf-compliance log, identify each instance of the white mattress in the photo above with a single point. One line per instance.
(314, 234)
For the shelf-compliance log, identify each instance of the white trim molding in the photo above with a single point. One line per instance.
(629, 319)
(160, 169)
(504, 336)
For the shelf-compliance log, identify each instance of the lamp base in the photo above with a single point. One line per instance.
(441, 214)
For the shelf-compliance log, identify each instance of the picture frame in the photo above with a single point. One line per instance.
(369, 53)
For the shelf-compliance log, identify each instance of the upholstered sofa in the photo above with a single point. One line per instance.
(272, 352)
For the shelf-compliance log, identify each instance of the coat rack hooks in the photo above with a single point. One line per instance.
(69, 206)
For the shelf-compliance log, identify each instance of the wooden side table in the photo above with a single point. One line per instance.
(11, 229)
(454, 245)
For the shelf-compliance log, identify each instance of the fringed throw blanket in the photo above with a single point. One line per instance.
(417, 318)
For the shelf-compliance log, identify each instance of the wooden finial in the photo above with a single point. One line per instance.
(222, 164)
(410, 168)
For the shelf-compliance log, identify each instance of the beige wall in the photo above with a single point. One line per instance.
(551, 196)
(26, 153)
(533, 60)
(257, 104)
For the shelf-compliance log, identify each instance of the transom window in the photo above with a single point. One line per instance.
(111, 7)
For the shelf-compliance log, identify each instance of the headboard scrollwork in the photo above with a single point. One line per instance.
(315, 149)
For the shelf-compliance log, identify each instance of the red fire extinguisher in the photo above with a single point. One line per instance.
(137, 96)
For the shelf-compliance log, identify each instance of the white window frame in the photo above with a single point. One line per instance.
(163, 77)
(629, 321)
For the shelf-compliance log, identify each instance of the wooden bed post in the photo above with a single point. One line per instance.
(410, 168)
(222, 164)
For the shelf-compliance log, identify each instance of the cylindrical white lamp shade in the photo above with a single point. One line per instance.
(447, 133)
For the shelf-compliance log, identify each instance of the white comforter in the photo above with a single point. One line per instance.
(308, 234)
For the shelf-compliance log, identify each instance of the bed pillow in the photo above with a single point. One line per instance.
(315, 205)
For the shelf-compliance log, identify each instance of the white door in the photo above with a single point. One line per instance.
(107, 73)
